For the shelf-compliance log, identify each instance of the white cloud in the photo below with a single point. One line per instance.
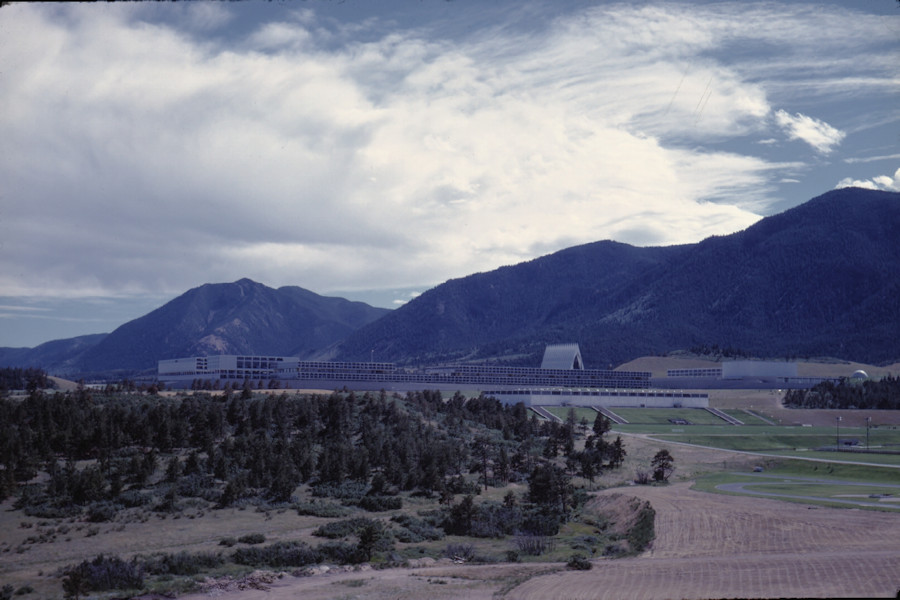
(855, 160)
(151, 159)
(881, 182)
(403, 300)
(818, 134)
(208, 16)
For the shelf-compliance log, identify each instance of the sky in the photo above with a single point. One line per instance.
(373, 150)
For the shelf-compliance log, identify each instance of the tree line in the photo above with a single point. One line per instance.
(883, 394)
(19, 378)
(228, 448)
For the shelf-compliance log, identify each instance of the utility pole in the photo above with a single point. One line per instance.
(837, 439)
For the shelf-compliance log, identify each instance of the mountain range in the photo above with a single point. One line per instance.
(821, 279)
(243, 317)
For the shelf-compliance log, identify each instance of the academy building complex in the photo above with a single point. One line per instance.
(560, 380)
(561, 375)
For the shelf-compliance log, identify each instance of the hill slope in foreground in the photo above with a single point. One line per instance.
(707, 546)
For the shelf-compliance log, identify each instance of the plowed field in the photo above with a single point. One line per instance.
(707, 546)
(711, 546)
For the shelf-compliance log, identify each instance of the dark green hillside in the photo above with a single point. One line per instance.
(819, 279)
(59, 353)
(513, 309)
(231, 318)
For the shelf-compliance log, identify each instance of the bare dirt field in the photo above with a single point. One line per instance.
(707, 546)
(711, 546)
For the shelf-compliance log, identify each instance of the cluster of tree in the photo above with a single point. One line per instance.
(714, 351)
(230, 447)
(870, 394)
(661, 468)
(101, 452)
(18, 378)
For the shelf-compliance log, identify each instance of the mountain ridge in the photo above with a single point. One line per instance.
(243, 317)
(819, 279)
(822, 272)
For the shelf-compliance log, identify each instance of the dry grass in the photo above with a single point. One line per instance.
(37, 564)
(768, 404)
(707, 546)
(711, 546)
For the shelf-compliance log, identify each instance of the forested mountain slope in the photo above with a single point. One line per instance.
(243, 317)
(820, 279)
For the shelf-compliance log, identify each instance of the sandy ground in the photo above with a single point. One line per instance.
(707, 546)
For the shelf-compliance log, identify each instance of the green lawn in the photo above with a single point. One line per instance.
(743, 416)
(792, 478)
(754, 442)
(589, 414)
(802, 468)
(696, 416)
(858, 457)
(830, 490)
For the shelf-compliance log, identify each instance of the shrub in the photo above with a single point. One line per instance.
(347, 490)
(341, 529)
(228, 542)
(584, 543)
(101, 512)
(252, 538)
(101, 574)
(642, 477)
(49, 511)
(534, 545)
(459, 485)
(327, 510)
(342, 553)
(415, 530)
(643, 531)
(195, 485)
(134, 498)
(380, 503)
(579, 563)
(182, 563)
(540, 523)
(279, 554)
(460, 552)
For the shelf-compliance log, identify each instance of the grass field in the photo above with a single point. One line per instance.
(747, 418)
(581, 412)
(696, 416)
(823, 488)
(854, 457)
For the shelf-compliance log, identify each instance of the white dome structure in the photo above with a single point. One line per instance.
(859, 375)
